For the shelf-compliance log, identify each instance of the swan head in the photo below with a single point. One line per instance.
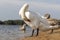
(47, 16)
(26, 6)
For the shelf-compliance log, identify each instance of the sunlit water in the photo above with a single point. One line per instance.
(12, 32)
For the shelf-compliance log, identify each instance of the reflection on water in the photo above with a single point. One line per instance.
(12, 32)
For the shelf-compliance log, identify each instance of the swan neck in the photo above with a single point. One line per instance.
(23, 10)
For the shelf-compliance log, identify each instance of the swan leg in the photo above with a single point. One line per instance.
(51, 31)
(37, 31)
(32, 32)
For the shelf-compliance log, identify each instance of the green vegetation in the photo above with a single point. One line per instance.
(16, 22)
(12, 22)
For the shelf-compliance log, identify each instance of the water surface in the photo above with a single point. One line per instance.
(12, 32)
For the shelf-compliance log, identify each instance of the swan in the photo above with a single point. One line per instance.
(33, 19)
(23, 28)
(51, 21)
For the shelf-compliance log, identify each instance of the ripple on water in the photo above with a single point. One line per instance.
(12, 32)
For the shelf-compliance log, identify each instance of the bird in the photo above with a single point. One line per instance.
(51, 21)
(23, 28)
(33, 19)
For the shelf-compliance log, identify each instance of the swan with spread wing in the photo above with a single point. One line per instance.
(33, 19)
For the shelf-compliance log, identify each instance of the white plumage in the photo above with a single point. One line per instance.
(53, 22)
(23, 27)
(33, 19)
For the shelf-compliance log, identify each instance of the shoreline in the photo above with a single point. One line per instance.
(45, 36)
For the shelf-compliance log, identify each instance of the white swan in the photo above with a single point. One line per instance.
(33, 19)
(23, 28)
(53, 22)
